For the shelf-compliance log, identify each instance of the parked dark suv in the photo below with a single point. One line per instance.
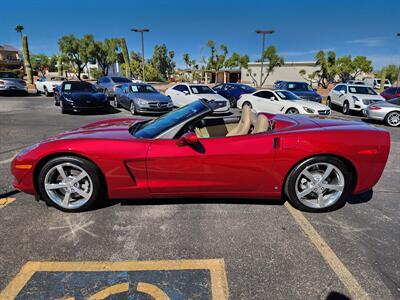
(301, 89)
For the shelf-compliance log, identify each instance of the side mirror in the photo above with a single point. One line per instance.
(186, 93)
(342, 92)
(272, 98)
(189, 138)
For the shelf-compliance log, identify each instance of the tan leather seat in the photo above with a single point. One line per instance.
(261, 124)
(244, 125)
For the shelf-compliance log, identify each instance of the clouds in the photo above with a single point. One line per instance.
(369, 41)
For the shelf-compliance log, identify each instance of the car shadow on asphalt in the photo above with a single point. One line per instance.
(109, 111)
(352, 200)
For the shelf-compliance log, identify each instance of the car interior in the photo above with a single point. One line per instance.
(248, 123)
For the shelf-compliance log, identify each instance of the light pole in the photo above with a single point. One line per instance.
(142, 31)
(263, 32)
(398, 74)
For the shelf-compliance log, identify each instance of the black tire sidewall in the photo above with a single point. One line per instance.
(88, 166)
(291, 182)
(328, 102)
(346, 111)
(248, 104)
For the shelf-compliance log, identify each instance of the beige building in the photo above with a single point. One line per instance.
(10, 57)
(289, 71)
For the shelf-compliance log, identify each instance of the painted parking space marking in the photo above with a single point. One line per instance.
(5, 201)
(6, 161)
(344, 275)
(164, 280)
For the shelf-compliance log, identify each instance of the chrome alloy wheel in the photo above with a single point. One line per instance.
(68, 185)
(320, 185)
(393, 119)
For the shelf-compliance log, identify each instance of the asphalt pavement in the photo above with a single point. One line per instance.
(242, 248)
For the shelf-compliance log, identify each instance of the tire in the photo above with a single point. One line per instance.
(132, 108)
(339, 180)
(46, 92)
(292, 111)
(232, 102)
(116, 103)
(63, 110)
(392, 119)
(90, 186)
(346, 108)
(107, 95)
(328, 102)
(248, 104)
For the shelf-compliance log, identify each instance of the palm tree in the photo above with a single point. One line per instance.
(19, 28)
(25, 52)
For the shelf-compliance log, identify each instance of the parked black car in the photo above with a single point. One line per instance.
(233, 91)
(299, 88)
(76, 96)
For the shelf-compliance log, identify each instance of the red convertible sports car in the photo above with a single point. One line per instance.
(316, 162)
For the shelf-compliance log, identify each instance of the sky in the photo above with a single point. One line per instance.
(302, 28)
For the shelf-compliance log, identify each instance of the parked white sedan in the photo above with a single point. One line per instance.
(281, 102)
(185, 93)
(47, 86)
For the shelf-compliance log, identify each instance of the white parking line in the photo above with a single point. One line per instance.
(349, 281)
(6, 161)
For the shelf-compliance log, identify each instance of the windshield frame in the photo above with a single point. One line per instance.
(159, 129)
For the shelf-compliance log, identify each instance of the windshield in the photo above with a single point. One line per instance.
(79, 87)
(8, 75)
(364, 90)
(142, 89)
(395, 101)
(157, 126)
(286, 95)
(299, 87)
(201, 89)
(247, 88)
(120, 79)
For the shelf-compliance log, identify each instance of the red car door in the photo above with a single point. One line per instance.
(234, 166)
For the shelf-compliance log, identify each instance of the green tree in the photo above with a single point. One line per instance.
(328, 68)
(216, 60)
(311, 77)
(391, 73)
(105, 53)
(125, 54)
(162, 62)
(273, 60)
(25, 52)
(76, 51)
(42, 63)
(348, 68)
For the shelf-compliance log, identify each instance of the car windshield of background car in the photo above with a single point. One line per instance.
(143, 89)
(285, 95)
(364, 90)
(300, 87)
(201, 89)
(79, 87)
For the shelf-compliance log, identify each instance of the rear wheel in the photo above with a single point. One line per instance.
(292, 111)
(232, 102)
(70, 184)
(319, 184)
(248, 104)
(346, 108)
(393, 119)
(328, 102)
(116, 103)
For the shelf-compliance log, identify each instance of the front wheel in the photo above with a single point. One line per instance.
(132, 108)
(346, 108)
(70, 184)
(46, 92)
(116, 103)
(292, 111)
(393, 119)
(232, 102)
(248, 104)
(319, 184)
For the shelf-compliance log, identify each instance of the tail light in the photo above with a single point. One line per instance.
(397, 94)
(373, 107)
(22, 82)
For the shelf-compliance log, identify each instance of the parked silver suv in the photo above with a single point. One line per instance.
(108, 84)
(10, 82)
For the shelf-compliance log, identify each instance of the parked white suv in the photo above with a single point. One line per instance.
(376, 83)
(352, 97)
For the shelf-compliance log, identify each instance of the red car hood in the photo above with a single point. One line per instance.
(106, 129)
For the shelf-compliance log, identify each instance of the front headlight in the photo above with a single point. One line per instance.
(142, 102)
(68, 100)
(170, 104)
(355, 99)
(308, 110)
